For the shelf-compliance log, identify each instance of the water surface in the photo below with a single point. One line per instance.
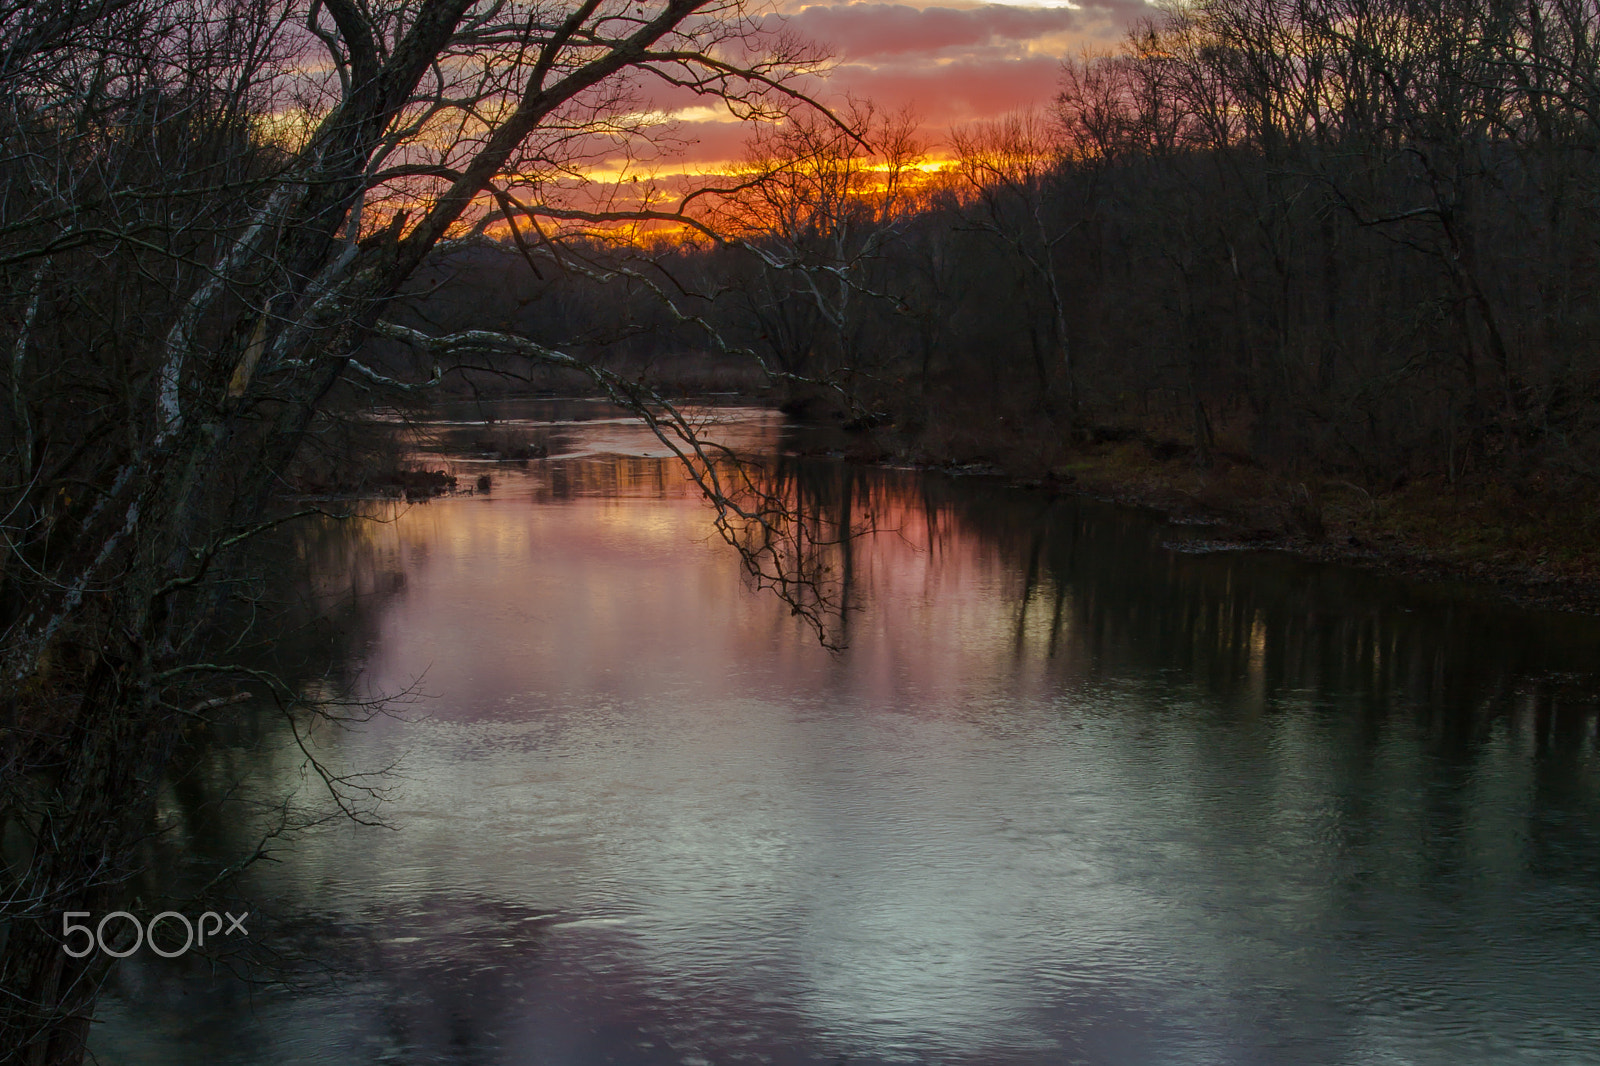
(1068, 795)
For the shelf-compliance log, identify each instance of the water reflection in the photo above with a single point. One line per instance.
(1066, 795)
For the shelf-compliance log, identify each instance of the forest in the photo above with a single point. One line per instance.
(1347, 240)
(1353, 245)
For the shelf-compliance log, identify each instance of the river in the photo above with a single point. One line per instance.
(1071, 792)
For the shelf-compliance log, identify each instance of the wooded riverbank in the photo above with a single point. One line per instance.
(1536, 545)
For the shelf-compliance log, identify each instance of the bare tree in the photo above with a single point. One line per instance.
(1008, 166)
(200, 232)
(810, 211)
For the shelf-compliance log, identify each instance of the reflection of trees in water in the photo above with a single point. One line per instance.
(1087, 590)
(795, 525)
(243, 783)
(614, 476)
(1239, 623)
(1093, 584)
(1454, 733)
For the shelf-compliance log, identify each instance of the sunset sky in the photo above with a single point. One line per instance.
(954, 62)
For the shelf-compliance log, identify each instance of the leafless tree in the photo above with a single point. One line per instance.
(811, 209)
(208, 208)
(1007, 166)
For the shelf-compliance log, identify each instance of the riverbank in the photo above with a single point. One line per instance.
(1528, 547)
(1536, 545)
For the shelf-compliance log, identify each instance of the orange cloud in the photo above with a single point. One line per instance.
(952, 62)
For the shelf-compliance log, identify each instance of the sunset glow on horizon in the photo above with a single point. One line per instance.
(930, 68)
(951, 62)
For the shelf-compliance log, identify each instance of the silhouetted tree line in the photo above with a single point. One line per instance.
(1354, 235)
(1363, 233)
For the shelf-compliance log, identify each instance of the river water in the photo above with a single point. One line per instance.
(1070, 793)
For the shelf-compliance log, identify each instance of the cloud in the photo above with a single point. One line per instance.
(942, 96)
(713, 142)
(861, 31)
(869, 31)
(952, 62)
(957, 92)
